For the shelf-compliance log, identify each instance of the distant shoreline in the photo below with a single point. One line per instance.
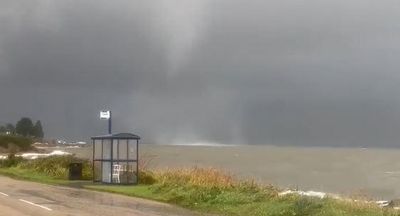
(271, 145)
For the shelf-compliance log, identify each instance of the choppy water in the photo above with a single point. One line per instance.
(348, 171)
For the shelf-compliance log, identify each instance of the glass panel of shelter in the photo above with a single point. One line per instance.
(115, 149)
(132, 150)
(97, 149)
(119, 173)
(97, 171)
(106, 171)
(106, 149)
(122, 149)
(124, 173)
(131, 173)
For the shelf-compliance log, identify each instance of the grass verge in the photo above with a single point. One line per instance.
(211, 191)
(31, 175)
(203, 190)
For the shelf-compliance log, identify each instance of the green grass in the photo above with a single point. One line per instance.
(236, 203)
(212, 191)
(142, 191)
(31, 175)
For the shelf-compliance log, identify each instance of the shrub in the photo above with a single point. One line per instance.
(208, 186)
(57, 166)
(146, 177)
(204, 177)
(15, 143)
(304, 206)
(11, 161)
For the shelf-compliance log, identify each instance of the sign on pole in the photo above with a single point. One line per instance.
(105, 114)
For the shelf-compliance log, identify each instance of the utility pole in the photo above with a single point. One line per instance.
(106, 115)
(109, 123)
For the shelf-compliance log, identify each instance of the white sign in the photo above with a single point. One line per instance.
(105, 114)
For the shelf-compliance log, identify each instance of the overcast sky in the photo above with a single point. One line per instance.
(283, 72)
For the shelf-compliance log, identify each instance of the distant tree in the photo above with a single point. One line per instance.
(38, 130)
(10, 128)
(24, 127)
(3, 130)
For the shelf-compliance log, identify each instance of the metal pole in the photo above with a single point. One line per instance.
(94, 147)
(112, 161)
(109, 123)
(137, 162)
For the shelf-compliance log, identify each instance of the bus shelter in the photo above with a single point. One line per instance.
(116, 158)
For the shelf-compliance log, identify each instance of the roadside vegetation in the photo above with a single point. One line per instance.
(213, 191)
(14, 143)
(53, 167)
(205, 190)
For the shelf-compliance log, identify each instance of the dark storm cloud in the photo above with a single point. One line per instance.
(259, 72)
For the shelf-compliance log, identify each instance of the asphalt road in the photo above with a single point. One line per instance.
(20, 198)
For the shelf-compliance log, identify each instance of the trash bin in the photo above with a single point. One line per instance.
(75, 171)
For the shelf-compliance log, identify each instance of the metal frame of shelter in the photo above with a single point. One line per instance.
(114, 139)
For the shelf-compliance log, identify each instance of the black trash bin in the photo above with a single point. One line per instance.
(75, 171)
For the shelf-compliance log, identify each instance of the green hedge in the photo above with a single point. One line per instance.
(57, 166)
(53, 166)
(19, 143)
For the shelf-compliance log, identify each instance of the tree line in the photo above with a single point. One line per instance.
(24, 127)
